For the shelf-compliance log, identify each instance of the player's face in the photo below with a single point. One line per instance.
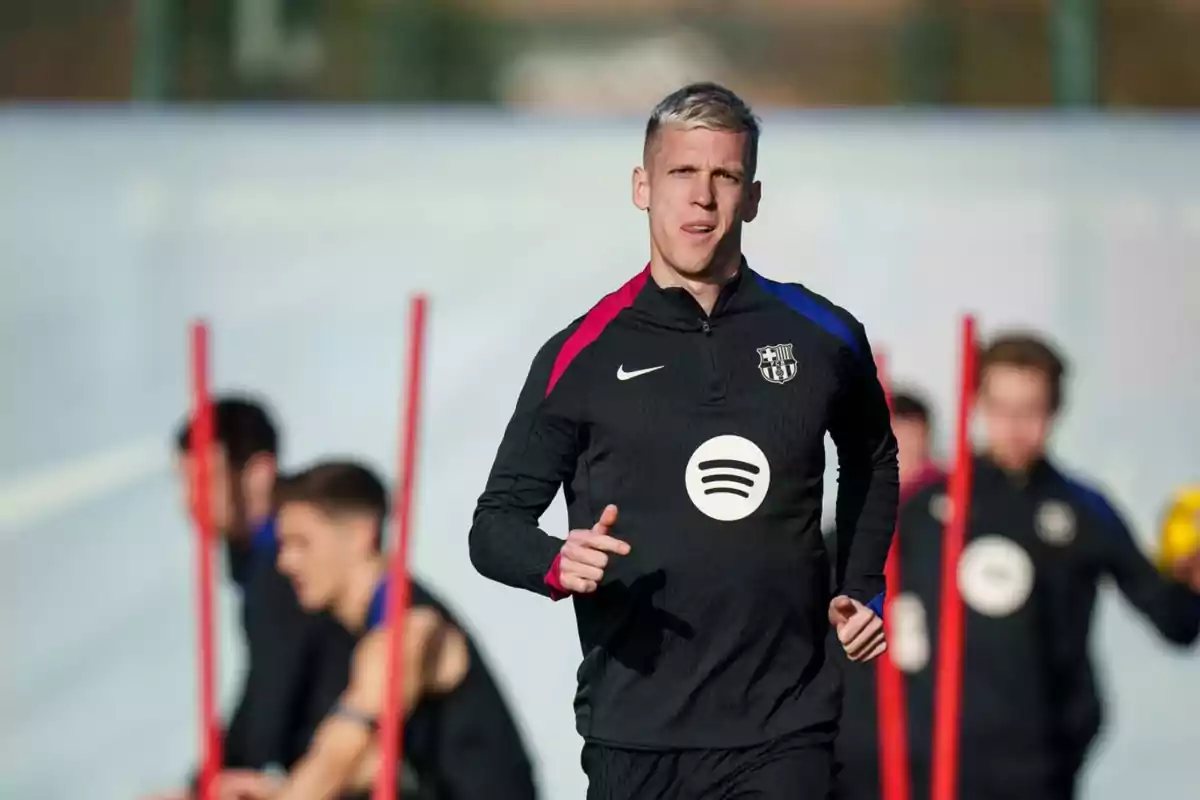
(1016, 410)
(224, 512)
(697, 192)
(312, 553)
(912, 440)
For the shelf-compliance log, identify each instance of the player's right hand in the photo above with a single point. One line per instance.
(584, 556)
(244, 784)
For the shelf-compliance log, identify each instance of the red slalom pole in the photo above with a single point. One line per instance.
(391, 739)
(201, 442)
(947, 700)
(889, 682)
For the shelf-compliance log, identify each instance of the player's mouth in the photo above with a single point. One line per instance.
(699, 228)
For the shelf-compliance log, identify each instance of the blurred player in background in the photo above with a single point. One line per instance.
(857, 748)
(912, 422)
(293, 658)
(685, 417)
(460, 740)
(1038, 545)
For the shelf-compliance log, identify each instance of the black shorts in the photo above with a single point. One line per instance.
(856, 776)
(790, 768)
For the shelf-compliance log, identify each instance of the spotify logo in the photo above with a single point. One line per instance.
(995, 576)
(727, 478)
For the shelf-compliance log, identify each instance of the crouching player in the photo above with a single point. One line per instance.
(329, 526)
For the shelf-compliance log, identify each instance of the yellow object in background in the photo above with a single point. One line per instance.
(1180, 536)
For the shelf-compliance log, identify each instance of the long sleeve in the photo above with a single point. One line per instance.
(282, 642)
(241, 559)
(537, 455)
(1172, 607)
(267, 725)
(330, 650)
(868, 480)
(237, 750)
(247, 555)
(234, 744)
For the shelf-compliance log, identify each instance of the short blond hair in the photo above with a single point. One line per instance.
(706, 105)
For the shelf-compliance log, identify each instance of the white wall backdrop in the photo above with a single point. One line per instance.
(299, 236)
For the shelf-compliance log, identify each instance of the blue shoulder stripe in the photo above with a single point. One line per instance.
(1096, 503)
(263, 540)
(803, 302)
(377, 611)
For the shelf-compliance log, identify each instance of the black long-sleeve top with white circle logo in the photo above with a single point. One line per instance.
(1037, 548)
(707, 432)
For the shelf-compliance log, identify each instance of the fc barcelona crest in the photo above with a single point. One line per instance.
(777, 363)
(1055, 523)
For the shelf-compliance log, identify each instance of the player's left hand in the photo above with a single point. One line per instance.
(1187, 571)
(859, 629)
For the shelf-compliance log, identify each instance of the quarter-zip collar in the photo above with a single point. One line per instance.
(930, 473)
(675, 307)
(1037, 477)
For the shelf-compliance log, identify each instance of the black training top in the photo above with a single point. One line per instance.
(294, 658)
(1036, 549)
(708, 434)
(465, 744)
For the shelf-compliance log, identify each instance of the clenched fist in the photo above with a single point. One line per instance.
(858, 628)
(584, 556)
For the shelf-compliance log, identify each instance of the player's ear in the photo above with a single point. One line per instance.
(368, 533)
(258, 477)
(641, 188)
(753, 198)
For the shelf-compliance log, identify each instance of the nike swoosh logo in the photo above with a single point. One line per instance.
(622, 375)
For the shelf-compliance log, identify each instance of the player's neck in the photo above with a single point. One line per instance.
(260, 508)
(254, 524)
(705, 287)
(912, 473)
(257, 511)
(354, 605)
(1017, 469)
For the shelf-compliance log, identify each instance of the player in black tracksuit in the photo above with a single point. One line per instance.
(460, 741)
(859, 772)
(1037, 546)
(464, 745)
(684, 416)
(293, 658)
(703, 647)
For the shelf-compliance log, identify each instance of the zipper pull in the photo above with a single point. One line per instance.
(704, 326)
